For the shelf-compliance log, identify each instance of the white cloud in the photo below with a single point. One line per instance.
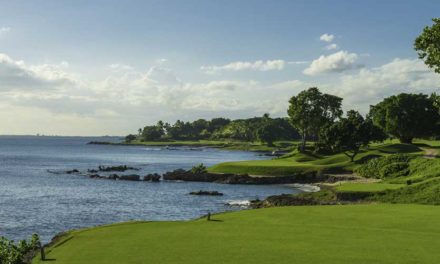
(43, 95)
(332, 46)
(4, 30)
(16, 75)
(298, 62)
(336, 62)
(120, 67)
(369, 86)
(327, 37)
(161, 61)
(269, 65)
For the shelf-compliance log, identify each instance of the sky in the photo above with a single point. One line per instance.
(109, 67)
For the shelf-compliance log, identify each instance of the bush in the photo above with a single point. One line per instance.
(199, 169)
(394, 170)
(17, 253)
(388, 166)
(130, 138)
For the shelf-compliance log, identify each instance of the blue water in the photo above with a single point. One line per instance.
(32, 200)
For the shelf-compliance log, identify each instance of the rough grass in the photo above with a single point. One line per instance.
(320, 234)
(367, 187)
(303, 162)
(420, 183)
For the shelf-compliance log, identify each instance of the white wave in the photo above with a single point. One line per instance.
(238, 202)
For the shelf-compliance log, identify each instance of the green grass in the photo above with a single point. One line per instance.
(321, 234)
(301, 162)
(367, 187)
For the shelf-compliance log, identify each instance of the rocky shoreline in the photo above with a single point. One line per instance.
(188, 175)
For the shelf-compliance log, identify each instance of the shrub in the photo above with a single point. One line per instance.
(199, 169)
(16, 253)
(388, 166)
(394, 170)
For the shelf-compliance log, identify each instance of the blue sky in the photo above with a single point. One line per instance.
(108, 67)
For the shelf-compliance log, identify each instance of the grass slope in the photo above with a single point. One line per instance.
(321, 234)
(367, 187)
(301, 162)
(418, 181)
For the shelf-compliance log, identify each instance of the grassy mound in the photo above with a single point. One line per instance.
(414, 181)
(305, 162)
(310, 234)
(426, 192)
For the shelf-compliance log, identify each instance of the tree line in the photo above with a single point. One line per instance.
(265, 129)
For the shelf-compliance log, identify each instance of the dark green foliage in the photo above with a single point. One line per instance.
(268, 130)
(311, 110)
(130, 138)
(349, 134)
(427, 45)
(151, 133)
(16, 253)
(263, 128)
(199, 169)
(406, 116)
(387, 166)
(395, 169)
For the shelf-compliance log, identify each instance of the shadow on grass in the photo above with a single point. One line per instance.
(366, 158)
(423, 145)
(400, 148)
(215, 220)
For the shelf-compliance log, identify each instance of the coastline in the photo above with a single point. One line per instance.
(227, 145)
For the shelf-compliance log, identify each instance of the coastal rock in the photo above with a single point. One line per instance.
(116, 168)
(287, 200)
(95, 176)
(131, 177)
(213, 193)
(152, 177)
(113, 177)
(74, 171)
(184, 175)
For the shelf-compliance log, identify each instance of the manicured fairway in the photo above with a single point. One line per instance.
(367, 187)
(379, 233)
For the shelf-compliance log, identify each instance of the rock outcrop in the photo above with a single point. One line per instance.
(213, 193)
(184, 175)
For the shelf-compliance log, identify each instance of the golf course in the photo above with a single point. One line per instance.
(395, 222)
(374, 233)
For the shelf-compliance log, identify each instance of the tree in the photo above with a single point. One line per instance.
(427, 45)
(350, 134)
(152, 133)
(406, 116)
(268, 132)
(311, 110)
(130, 137)
(217, 123)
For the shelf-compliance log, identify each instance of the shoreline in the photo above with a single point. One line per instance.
(238, 146)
